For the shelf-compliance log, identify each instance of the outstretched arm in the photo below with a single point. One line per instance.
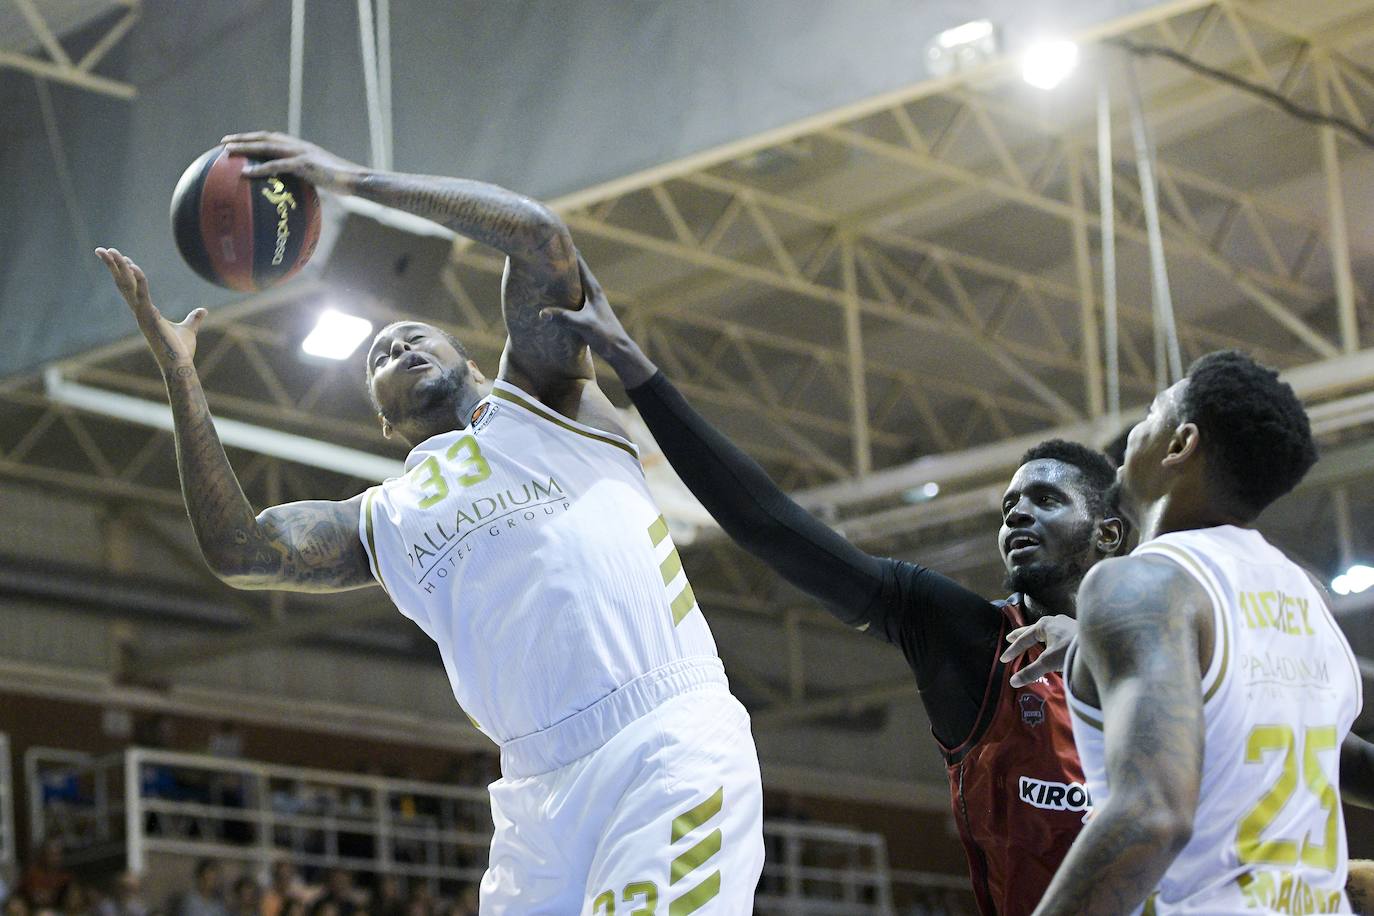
(947, 633)
(306, 546)
(1138, 643)
(541, 263)
(739, 494)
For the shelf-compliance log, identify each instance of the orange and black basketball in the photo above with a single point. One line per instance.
(245, 234)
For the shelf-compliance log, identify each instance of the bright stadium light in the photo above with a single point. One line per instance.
(1048, 63)
(962, 48)
(923, 493)
(1354, 580)
(336, 335)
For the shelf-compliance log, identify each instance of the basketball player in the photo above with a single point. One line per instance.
(1016, 786)
(522, 538)
(1211, 689)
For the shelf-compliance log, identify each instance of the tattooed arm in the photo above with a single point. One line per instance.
(307, 546)
(541, 263)
(1139, 648)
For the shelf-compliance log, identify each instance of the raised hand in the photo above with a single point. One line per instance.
(1055, 632)
(173, 344)
(597, 324)
(284, 154)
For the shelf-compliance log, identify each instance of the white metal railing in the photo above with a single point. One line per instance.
(920, 893)
(141, 802)
(189, 804)
(77, 797)
(9, 857)
(821, 869)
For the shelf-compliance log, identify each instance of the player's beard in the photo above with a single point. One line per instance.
(1041, 580)
(438, 401)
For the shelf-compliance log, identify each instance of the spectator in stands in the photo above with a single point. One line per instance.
(207, 897)
(75, 900)
(466, 904)
(15, 905)
(126, 897)
(245, 898)
(338, 893)
(389, 898)
(421, 902)
(286, 888)
(45, 879)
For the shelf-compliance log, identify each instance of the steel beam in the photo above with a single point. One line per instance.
(1335, 211)
(288, 447)
(853, 336)
(1312, 381)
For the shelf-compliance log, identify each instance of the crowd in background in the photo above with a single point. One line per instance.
(46, 887)
(312, 820)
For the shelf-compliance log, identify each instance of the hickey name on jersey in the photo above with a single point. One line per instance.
(1273, 610)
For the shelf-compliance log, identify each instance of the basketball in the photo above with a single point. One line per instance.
(245, 234)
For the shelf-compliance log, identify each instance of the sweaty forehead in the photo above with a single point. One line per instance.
(1046, 473)
(399, 327)
(1170, 399)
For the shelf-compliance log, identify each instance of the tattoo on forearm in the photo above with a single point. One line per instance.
(506, 221)
(309, 546)
(1154, 736)
(542, 268)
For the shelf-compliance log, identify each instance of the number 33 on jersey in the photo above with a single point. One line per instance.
(519, 538)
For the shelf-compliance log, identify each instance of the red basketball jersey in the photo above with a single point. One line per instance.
(1017, 786)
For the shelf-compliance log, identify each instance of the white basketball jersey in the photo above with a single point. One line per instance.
(529, 549)
(1279, 697)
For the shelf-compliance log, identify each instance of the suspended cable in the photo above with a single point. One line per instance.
(1349, 128)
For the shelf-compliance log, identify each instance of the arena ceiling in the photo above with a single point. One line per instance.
(904, 291)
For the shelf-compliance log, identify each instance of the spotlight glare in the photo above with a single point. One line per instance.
(1048, 63)
(923, 493)
(966, 34)
(1354, 580)
(336, 335)
(963, 48)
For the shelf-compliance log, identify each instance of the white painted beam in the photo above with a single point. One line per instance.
(260, 439)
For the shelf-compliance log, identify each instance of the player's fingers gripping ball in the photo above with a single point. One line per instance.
(242, 233)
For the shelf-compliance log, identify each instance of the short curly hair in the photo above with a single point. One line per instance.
(1255, 431)
(1093, 465)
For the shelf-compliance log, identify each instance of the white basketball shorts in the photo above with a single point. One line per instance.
(663, 818)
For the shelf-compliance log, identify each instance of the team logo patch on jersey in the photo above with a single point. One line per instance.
(483, 414)
(1032, 708)
(1055, 796)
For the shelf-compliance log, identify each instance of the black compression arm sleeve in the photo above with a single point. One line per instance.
(948, 634)
(755, 512)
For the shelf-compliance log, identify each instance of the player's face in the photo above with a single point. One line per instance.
(412, 370)
(1140, 479)
(1048, 526)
